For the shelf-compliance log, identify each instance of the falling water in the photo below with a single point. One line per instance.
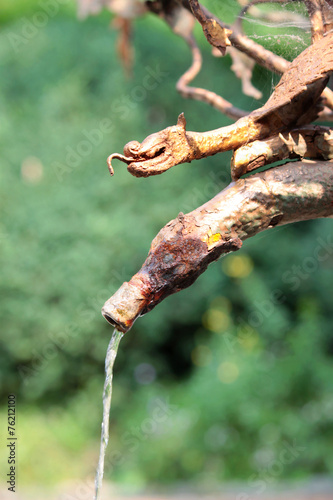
(107, 394)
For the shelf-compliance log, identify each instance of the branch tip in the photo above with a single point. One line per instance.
(120, 157)
(181, 122)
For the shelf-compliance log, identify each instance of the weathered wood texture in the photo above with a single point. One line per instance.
(307, 142)
(294, 102)
(278, 130)
(183, 249)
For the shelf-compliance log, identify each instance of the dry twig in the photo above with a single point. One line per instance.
(181, 21)
(199, 94)
(253, 50)
(242, 66)
(316, 19)
(216, 34)
(292, 104)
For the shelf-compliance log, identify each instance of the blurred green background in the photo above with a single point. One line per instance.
(238, 367)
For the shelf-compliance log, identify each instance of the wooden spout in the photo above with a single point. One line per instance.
(183, 249)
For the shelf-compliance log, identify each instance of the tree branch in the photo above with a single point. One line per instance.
(199, 94)
(181, 21)
(307, 142)
(316, 18)
(258, 53)
(183, 249)
(262, 56)
(215, 32)
(242, 65)
(327, 14)
(293, 103)
(255, 51)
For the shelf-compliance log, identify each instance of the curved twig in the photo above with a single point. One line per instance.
(262, 56)
(255, 51)
(199, 94)
(117, 156)
(180, 24)
(293, 103)
(216, 34)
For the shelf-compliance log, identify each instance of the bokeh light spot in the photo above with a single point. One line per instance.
(248, 340)
(216, 320)
(201, 355)
(145, 373)
(221, 303)
(237, 266)
(228, 372)
(32, 170)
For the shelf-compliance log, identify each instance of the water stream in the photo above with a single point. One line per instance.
(107, 394)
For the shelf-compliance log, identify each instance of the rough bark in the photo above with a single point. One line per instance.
(307, 142)
(183, 249)
(293, 103)
(279, 130)
(199, 94)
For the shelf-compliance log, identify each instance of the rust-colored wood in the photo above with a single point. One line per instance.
(183, 249)
(293, 103)
(281, 129)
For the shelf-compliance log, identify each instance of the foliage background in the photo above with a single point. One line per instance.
(245, 374)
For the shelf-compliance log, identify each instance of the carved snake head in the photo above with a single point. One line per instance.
(157, 153)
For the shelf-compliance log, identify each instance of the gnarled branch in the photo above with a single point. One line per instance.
(315, 15)
(183, 249)
(307, 142)
(293, 103)
(289, 193)
(216, 34)
(199, 94)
